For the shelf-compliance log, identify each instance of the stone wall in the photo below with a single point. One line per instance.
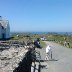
(25, 64)
(10, 58)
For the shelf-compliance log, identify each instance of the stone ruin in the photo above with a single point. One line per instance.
(9, 58)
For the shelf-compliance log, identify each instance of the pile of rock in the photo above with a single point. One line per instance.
(10, 58)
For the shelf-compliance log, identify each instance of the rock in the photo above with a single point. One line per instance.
(10, 58)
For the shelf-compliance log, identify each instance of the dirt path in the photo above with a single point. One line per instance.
(62, 59)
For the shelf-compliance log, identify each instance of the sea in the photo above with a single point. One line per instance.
(60, 33)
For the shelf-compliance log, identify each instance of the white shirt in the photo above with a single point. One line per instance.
(48, 49)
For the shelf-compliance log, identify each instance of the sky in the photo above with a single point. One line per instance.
(37, 15)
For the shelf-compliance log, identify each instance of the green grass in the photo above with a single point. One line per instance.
(50, 37)
(43, 44)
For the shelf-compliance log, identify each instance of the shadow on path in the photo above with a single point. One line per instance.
(51, 60)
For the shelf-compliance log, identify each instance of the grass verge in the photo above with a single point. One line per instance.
(43, 44)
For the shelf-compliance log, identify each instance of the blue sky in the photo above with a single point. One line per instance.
(38, 15)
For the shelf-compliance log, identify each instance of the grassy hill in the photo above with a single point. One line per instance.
(49, 37)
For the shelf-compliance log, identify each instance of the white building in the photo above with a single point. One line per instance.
(4, 29)
(43, 38)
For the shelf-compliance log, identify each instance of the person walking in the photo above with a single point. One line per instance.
(48, 48)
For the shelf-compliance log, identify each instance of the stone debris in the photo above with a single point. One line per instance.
(10, 58)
